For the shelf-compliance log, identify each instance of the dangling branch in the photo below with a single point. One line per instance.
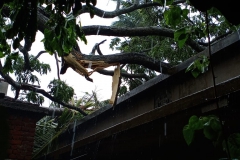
(57, 66)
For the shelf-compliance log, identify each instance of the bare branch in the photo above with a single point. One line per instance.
(96, 47)
(39, 54)
(118, 5)
(19, 86)
(30, 85)
(137, 31)
(104, 14)
(124, 74)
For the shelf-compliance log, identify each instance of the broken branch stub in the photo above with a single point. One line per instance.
(115, 85)
(75, 61)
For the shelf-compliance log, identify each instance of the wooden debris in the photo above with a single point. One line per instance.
(115, 83)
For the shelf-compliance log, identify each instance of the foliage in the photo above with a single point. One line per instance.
(212, 130)
(63, 28)
(89, 102)
(60, 90)
(62, 31)
(234, 145)
(210, 125)
(33, 97)
(65, 34)
(187, 23)
(28, 77)
(198, 66)
(160, 48)
(49, 128)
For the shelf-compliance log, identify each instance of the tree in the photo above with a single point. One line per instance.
(156, 30)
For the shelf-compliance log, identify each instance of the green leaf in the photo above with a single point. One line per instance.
(194, 123)
(216, 125)
(192, 120)
(1, 55)
(173, 15)
(199, 33)
(195, 73)
(185, 13)
(181, 36)
(188, 134)
(168, 2)
(209, 133)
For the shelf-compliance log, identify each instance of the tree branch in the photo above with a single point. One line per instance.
(124, 32)
(26, 58)
(129, 58)
(39, 54)
(30, 85)
(96, 47)
(124, 74)
(105, 14)
(19, 86)
(137, 31)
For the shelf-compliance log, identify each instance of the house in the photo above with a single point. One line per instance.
(147, 122)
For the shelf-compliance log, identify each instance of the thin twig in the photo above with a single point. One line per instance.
(39, 54)
(96, 47)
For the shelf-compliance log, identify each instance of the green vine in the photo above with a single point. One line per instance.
(198, 66)
(212, 130)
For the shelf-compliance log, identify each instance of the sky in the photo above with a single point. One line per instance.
(102, 84)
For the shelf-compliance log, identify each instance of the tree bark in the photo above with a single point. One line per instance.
(130, 58)
(137, 31)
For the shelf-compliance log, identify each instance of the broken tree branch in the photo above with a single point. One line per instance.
(127, 58)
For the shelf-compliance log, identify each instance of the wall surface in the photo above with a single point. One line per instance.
(22, 131)
(17, 133)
